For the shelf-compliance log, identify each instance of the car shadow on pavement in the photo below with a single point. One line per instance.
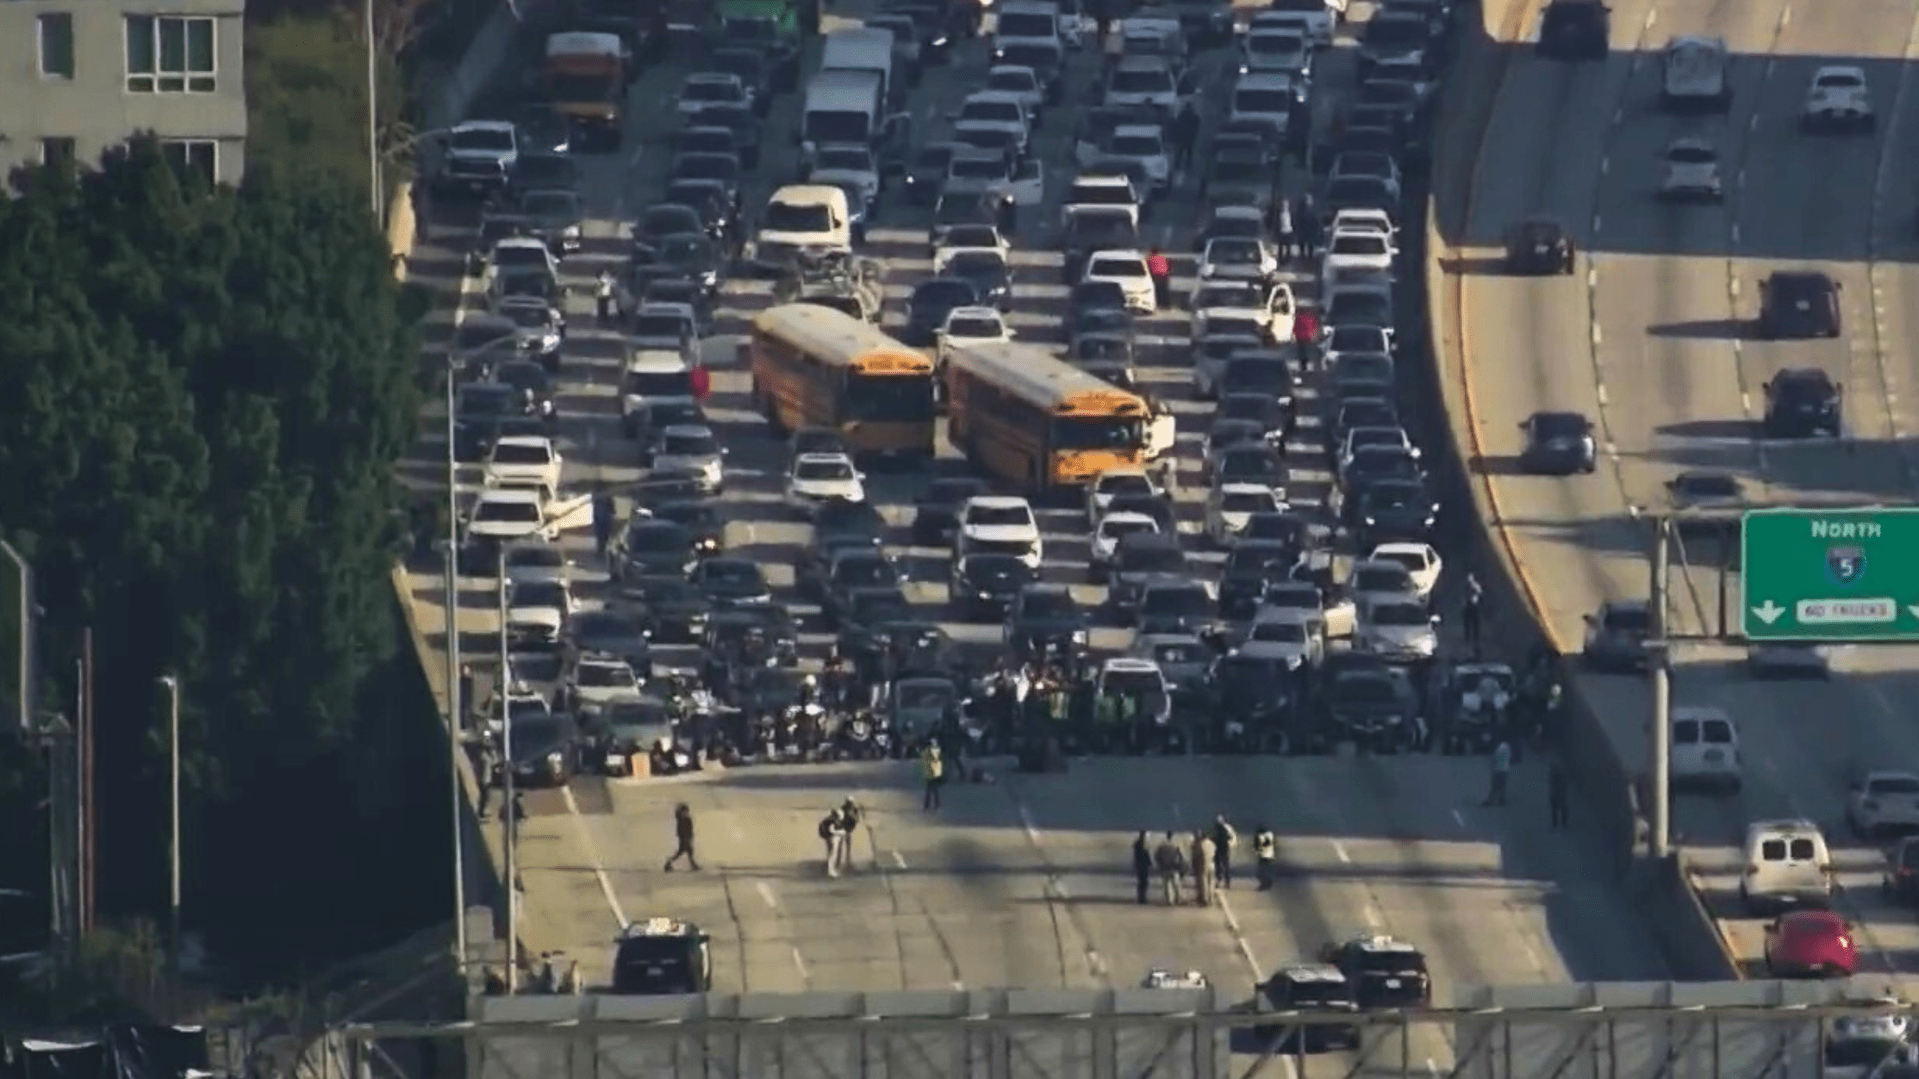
(1705, 329)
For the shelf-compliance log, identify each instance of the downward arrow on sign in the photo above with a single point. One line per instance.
(1769, 612)
(1914, 608)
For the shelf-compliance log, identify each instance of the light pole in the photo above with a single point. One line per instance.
(173, 816)
(25, 688)
(372, 114)
(455, 715)
(510, 814)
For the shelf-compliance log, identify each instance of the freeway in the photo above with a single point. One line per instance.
(1022, 881)
(1648, 337)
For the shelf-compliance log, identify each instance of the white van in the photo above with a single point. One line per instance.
(1025, 22)
(653, 376)
(1705, 748)
(1787, 865)
(843, 108)
(814, 218)
(862, 48)
(1264, 97)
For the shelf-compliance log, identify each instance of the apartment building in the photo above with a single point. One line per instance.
(80, 76)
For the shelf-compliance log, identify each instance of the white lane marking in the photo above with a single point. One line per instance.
(1597, 221)
(1458, 817)
(766, 894)
(1239, 938)
(799, 964)
(1752, 122)
(1652, 18)
(1339, 851)
(1599, 335)
(1785, 18)
(1735, 232)
(1604, 397)
(1592, 277)
(1432, 1067)
(899, 859)
(1745, 401)
(1026, 822)
(1618, 114)
(593, 858)
(1605, 163)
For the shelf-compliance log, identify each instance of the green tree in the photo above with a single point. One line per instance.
(205, 394)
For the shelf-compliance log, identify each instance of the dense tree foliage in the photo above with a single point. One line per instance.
(203, 392)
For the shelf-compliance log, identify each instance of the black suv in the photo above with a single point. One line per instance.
(1539, 246)
(1308, 987)
(1575, 30)
(1383, 972)
(662, 957)
(1803, 402)
(1558, 444)
(1798, 304)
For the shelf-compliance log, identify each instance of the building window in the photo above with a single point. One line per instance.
(56, 45)
(169, 54)
(56, 152)
(200, 155)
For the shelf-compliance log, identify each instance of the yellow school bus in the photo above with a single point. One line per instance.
(1034, 420)
(816, 367)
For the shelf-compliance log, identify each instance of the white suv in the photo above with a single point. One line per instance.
(1883, 801)
(1695, 74)
(999, 524)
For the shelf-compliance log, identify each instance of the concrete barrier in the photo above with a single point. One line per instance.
(1605, 787)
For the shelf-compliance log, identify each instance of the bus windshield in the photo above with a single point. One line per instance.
(889, 397)
(1096, 433)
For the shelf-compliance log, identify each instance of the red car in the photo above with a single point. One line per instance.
(1810, 944)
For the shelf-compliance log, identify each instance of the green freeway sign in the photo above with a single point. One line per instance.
(1830, 575)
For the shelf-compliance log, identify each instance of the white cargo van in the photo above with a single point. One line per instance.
(863, 48)
(1787, 865)
(1705, 748)
(843, 108)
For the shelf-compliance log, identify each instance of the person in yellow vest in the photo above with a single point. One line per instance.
(933, 771)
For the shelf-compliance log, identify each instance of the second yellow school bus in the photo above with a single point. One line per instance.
(816, 367)
(1032, 419)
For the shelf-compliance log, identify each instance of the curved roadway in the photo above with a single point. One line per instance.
(1646, 337)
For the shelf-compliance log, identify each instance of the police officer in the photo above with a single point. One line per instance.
(1142, 867)
(1185, 135)
(1469, 614)
(603, 296)
(933, 771)
(1502, 768)
(1266, 856)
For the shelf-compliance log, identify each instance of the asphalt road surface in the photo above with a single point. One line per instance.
(1649, 336)
(1024, 881)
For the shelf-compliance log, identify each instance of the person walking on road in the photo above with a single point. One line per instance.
(1170, 862)
(1204, 851)
(1185, 136)
(1160, 269)
(1224, 840)
(833, 838)
(1283, 230)
(1502, 770)
(603, 512)
(603, 296)
(1266, 856)
(1557, 796)
(1469, 614)
(933, 771)
(849, 827)
(1142, 867)
(683, 833)
(1306, 226)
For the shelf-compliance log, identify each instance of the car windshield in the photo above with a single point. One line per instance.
(1245, 502)
(1027, 24)
(1691, 154)
(1895, 785)
(1382, 579)
(1237, 169)
(1036, 55)
(1153, 558)
(551, 203)
(1099, 195)
(604, 675)
(1559, 425)
(1117, 530)
(689, 444)
(866, 570)
(1396, 32)
(1360, 243)
(717, 90)
(934, 158)
(503, 511)
(1178, 600)
(1234, 252)
(522, 453)
(539, 595)
(1398, 614)
(980, 167)
(1278, 632)
(1136, 146)
(1010, 81)
(1263, 101)
(657, 537)
(992, 112)
(822, 469)
(999, 516)
(481, 140)
(985, 326)
(1178, 654)
(939, 294)
(976, 264)
(658, 324)
(1137, 684)
(1142, 81)
(844, 158)
(1116, 267)
(796, 217)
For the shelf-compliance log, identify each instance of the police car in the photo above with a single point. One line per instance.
(1161, 978)
(662, 957)
(1308, 987)
(1385, 972)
